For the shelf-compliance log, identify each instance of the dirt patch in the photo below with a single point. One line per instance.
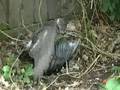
(92, 64)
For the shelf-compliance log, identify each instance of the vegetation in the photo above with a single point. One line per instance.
(111, 8)
(96, 65)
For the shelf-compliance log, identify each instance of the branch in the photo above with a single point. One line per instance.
(15, 39)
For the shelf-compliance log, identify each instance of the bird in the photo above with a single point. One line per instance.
(64, 49)
(48, 52)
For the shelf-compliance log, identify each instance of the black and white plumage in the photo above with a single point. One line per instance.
(64, 49)
(49, 54)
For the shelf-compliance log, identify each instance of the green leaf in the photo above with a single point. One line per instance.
(111, 8)
(105, 5)
(113, 84)
(101, 86)
(116, 69)
(29, 70)
(6, 72)
(6, 76)
(26, 79)
(26, 73)
(22, 70)
(6, 69)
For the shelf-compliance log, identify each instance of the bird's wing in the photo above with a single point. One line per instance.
(42, 50)
(64, 49)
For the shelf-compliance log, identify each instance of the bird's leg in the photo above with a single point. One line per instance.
(67, 72)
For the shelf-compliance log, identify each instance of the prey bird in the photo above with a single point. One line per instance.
(49, 53)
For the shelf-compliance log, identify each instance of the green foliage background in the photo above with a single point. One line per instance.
(112, 8)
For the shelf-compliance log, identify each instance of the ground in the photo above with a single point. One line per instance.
(89, 68)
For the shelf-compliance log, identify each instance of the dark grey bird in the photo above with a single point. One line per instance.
(49, 53)
(64, 49)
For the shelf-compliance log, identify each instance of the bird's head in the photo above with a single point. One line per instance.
(61, 24)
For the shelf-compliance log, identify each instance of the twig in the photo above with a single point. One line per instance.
(10, 36)
(89, 66)
(13, 66)
(39, 11)
(22, 19)
(58, 77)
(92, 2)
(25, 26)
(103, 52)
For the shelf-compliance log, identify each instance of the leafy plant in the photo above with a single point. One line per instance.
(111, 84)
(4, 26)
(27, 72)
(112, 8)
(116, 69)
(6, 72)
(9, 59)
